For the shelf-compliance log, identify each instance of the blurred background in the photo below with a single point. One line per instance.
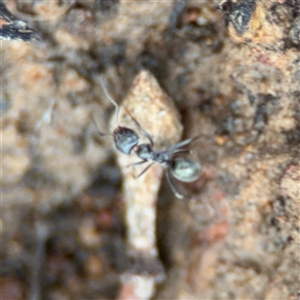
(232, 69)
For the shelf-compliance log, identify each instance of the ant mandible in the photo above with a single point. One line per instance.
(127, 141)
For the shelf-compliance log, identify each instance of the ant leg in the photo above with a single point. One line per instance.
(182, 144)
(110, 98)
(146, 169)
(139, 163)
(182, 151)
(136, 163)
(176, 193)
(144, 132)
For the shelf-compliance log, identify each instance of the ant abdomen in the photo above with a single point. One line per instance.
(186, 170)
(125, 139)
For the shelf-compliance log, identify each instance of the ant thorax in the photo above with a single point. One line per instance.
(144, 151)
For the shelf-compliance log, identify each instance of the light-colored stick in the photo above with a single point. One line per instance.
(156, 113)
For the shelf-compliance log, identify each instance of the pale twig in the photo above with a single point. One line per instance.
(145, 103)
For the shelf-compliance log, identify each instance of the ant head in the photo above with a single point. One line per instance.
(125, 139)
(185, 169)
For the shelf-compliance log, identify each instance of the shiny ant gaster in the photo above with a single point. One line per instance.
(127, 141)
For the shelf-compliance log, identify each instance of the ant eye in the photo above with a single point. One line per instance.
(125, 139)
(185, 169)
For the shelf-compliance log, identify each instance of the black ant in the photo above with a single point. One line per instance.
(127, 141)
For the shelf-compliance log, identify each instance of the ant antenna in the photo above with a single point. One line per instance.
(98, 126)
(110, 98)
